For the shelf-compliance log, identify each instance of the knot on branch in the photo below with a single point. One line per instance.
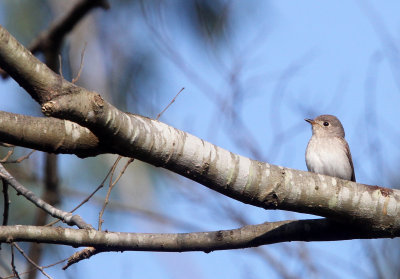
(49, 108)
(98, 101)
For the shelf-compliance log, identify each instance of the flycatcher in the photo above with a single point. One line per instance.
(327, 151)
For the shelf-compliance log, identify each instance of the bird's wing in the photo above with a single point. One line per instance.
(353, 175)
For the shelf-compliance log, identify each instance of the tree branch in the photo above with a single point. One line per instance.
(51, 39)
(66, 217)
(60, 28)
(245, 237)
(31, 261)
(50, 135)
(34, 76)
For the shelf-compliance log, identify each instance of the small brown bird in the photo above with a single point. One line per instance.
(327, 151)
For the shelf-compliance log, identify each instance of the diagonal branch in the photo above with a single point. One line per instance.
(30, 260)
(61, 27)
(66, 217)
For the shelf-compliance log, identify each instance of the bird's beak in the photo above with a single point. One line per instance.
(311, 121)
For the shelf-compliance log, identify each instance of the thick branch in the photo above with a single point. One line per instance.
(245, 237)
(34, 76)
(49, 135)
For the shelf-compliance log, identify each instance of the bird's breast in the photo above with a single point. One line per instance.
(327, 155)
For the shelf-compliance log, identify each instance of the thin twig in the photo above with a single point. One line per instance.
(30, 261)
(20, 159)
(9, 153)
(110, 186)
(89, 251)
(6, 144)
(14, 269)
(149, 215)
(81, 65)
(29, 271)
(170, 103)
(6, 202)
(85, 200)
(81, 255)
(55, 212)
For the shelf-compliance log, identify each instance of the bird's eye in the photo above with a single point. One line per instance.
(326, 123)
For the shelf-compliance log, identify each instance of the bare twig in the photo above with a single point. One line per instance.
(112, 170)
(90, 251)
(19, 160)
(50, 194)
(130, 160)
(9, 153)
(30, 261)
(110, 186)
(6, 144)
(29, 271)
(55, 212)
(149, 215)
(86, 199)
(81, 65)
(14, 269)
(170, 103)
(81, 255)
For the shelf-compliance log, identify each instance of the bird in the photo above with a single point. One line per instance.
(328, 152)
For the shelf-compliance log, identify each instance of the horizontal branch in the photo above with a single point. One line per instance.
(245, 237)
(49, 135)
